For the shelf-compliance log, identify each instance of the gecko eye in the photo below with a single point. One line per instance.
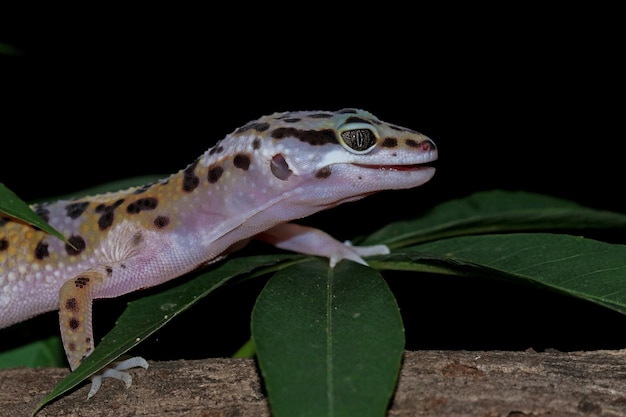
(358, 138)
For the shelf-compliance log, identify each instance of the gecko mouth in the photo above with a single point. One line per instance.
(411, 167)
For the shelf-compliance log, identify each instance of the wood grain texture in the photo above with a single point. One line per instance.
(432, 383)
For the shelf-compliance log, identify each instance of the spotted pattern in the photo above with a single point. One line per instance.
(75, 210)
(161, 222)
(214, 174)
(323, 173)
(190, 179)
(41, 250)
(149, 203)
(354, 119)
(81, 282)
(216, 149)
(390, 143)
(113, 237)
(242, 161)
(43, 212)
(107, 215)
(258, 126)
(312, 137)
(75, 246)
(71, 304)
(143, 188)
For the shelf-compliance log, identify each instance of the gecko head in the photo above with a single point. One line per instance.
(346, 155)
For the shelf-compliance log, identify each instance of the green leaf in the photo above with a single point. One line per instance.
(496, 212)
(40, 353)
(8, 49)
(581, 267)
(146, 315)
(12, 205)
(329, 341)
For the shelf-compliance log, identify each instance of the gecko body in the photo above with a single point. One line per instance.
(251, 184)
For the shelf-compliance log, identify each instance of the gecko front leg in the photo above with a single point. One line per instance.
(75, 319)
(303, 239)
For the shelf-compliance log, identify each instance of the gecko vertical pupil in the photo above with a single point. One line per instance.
(359, 139)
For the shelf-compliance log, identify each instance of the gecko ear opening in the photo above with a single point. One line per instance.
(280, 167)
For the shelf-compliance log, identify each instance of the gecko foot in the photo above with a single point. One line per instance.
(356, 253)
(116, 371)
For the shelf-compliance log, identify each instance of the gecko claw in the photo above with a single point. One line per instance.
(117, 372)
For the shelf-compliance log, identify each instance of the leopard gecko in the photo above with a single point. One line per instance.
(250, 184)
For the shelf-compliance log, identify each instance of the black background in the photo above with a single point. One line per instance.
(524, 99)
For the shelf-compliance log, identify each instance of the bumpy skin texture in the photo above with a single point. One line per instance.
(278, 168)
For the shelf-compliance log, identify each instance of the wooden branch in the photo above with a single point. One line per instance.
(432, 383)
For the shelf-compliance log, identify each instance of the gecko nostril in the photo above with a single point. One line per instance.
(280, 167)
(428, 145)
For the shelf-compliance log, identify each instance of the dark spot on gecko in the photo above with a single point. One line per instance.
(323, 173)
(123, 266)
(320, 116)
(137, 238)
(149, 203)
(390, 143)
(292, 120)
(71, 304)
(190, 180)
(215, 173)
(81, 282)
(71, 347)
(4, 244)
(256, 143)
(242, 161)
(109, 270)
(354, 119)
(75, 245)
(312, 137)
(73, 324)
(258, 126)
(161, 221)
(43, 212)
(106, 220)
(41, 250)
(216, 149)
(346, 111)
(108, 214)
(143, 188)
(75, 210)
(412, 143)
